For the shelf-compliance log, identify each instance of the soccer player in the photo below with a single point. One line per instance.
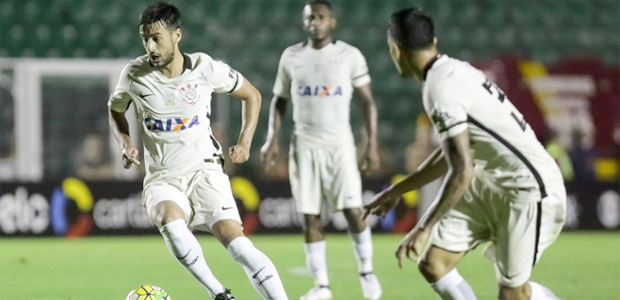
(320, 76)
(185, 187)
(500, 184)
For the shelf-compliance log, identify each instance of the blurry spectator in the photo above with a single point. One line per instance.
(94, 161)
(558, 151)
(581, 155)
(425, 143)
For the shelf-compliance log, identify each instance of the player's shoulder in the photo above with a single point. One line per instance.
(448, 69)
(344, 46)
(201, 60)
(294, 49)
(138, 67)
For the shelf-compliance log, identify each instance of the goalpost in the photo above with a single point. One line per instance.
(28, 83)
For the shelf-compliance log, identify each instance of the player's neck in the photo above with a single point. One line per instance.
(322, 43)
(421, 59)
(175, 67)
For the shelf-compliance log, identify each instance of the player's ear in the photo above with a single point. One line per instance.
(333, 23)
(177, 35)
(435, 41)
(395, 50)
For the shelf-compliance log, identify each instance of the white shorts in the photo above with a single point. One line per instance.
(330, 173)
(509, 218)
(204, 195)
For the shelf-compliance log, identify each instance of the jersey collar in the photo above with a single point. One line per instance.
(307, 42)
(187, 62)
(430, 64)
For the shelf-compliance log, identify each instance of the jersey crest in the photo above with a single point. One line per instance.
(190, 95)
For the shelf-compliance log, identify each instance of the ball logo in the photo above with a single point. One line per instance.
(319, 90)
(173, 124)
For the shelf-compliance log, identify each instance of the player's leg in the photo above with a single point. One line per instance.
(169, 216)
(304, 174)
(438, 266)
(315, 258)
(361, 236)
(258, 267)
(344, 189)
(527, 231)
(215, 210)
(460, 230)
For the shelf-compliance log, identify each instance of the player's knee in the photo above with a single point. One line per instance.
(522, 292)
(165, 213)
(226, 231)
(432, 270)
(312, 223)
(354, 219)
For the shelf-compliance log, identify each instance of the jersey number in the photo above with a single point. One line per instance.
(490, 86)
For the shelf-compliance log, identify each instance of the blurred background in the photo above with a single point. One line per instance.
(60, 171)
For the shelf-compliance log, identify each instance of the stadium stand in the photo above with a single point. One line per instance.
(252, 34)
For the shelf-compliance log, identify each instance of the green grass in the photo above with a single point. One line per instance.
(583, 265)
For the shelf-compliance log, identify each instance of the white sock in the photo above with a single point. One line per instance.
(362, 248)
(541, 292)
(453, 287)
(258, 267)
(184, 246)
(315, 260)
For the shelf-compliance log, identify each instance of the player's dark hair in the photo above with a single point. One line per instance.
(322, 2)
(412, 28)
(162, 12)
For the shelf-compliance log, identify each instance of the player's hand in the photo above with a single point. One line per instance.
(269, 152)
(412, 245)
(239, 153)
(129, 157)
(381, 203)
(370, 161)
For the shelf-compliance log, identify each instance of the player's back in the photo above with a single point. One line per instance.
(501, 140)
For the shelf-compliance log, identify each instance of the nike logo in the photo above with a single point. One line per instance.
(186, 254)
(225, 208)
(144, 96)
(256, 274)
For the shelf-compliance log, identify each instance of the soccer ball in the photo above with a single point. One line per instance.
(148, 292)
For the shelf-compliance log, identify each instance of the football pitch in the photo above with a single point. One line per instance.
(580, 265)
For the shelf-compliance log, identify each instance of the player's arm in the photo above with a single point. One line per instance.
(431, 168)
(251, 98)
(370, 158)
(271, 148)
(120, 129)
(118, 104)
(460, 173)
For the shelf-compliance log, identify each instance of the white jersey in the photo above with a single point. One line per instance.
(320, 84)
(459, 97)
(173, 113)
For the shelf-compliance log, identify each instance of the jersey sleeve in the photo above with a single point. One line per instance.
(447, 108)
(224, 78)
(120, 99)
(359, 69)
(282, 85)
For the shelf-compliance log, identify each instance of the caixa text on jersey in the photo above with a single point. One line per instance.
(172, 124)
(319, 90)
